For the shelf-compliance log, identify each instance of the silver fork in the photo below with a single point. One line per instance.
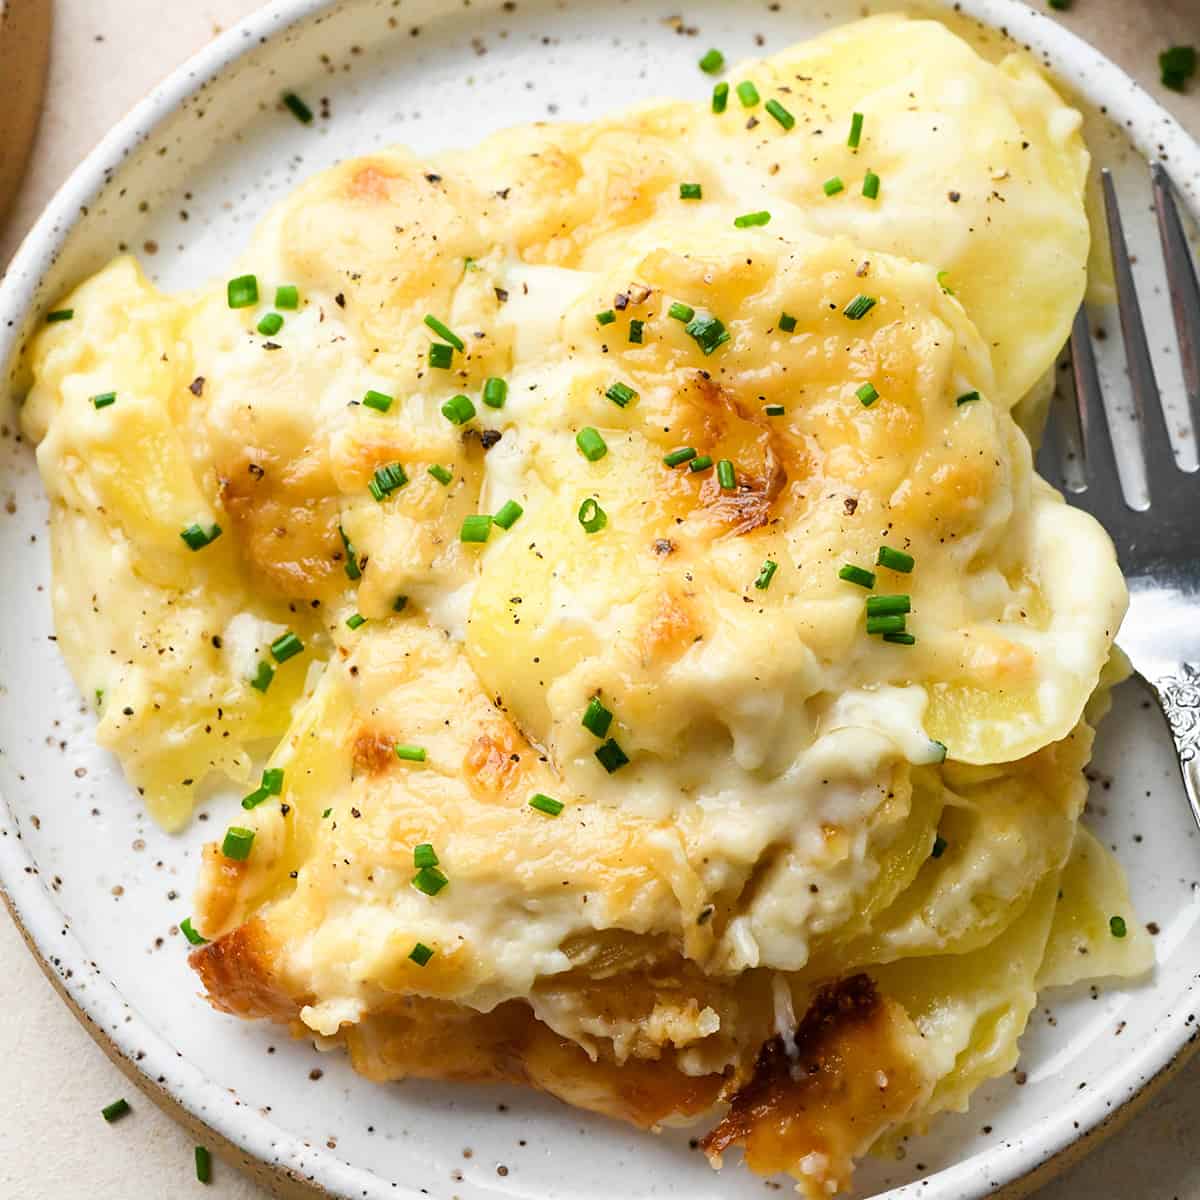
(1158, 546)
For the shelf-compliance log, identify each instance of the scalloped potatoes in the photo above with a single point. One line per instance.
(675, 670)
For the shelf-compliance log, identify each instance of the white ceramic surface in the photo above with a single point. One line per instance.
(101, 890)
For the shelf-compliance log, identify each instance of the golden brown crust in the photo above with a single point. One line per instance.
(239, 977)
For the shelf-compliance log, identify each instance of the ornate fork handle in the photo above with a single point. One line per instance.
(1179, 698)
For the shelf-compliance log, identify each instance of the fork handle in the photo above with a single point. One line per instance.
(1179, 697)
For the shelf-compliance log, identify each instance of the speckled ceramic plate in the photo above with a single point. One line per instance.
(99, 890)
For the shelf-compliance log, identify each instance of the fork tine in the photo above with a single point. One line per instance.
(1104, 481)
(1181, 278)
(1051, 460)
(1156, 445)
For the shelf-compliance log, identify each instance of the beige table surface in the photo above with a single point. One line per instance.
(53, 1079)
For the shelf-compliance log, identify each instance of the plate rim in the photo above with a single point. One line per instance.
(1010, 1169)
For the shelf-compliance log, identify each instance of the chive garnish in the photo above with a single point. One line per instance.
(681, 312)
(237, 843)
(867, 394)
(701, 463)
(726, 476)
(386, 480)
(353, 570)
(900, 639)
(440, 473)
(285, 647)
(1117, 927)
(507, 517)
(833, 186)
(678, 457)
(774, 410)
(607, 317)
(444, 332)
(420, 954)
(59, 314)
(429, 880)
(115, 1111)
(203, 1164)
(475, 528)
(612, 757)
(859, 307)
(298, 108)
(104, 400)
(400, 604)
(255, 798)
(547, 804)
(856, 128)
(379, 401)
(859, 575)
(287, 296)
(748, 220)
(967, 397)
(355, 621)
(780, 113)
(596, 718)
(272, 780)
(408, 753)
(621, 394)
(424, 855)
(894, 560)
(189, 931)
(440, 355)
(591, 445)
(690, 191)
(747, 93)
(720, 97)
(458, 409)
(591, 516)
(635, 331)
(942, 276)
(882, 606)
(787, 323)
(263, 676)
(270, 325)
(707, 332)
(766, 574)
(198, 538)
(890, 623)
(870, 187)
(242, 292)
(712, 62)
(495, 392)
(939, 847)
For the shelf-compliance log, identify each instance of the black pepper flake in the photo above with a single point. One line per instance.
(663, 546)
(196, 387)
(271, 346)
(620, 302)
(488, 438)
(954, 197)
(501, 294)
(355, 813)
(340, 300)
(432, 177)
(256, 470)
(850, 504)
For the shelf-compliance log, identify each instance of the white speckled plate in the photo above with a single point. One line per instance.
(100, 890)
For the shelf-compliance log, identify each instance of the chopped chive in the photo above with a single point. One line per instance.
(707, 332)
(1117, 927)
(591, 516)
(596, 718)
(612, 757)
(747, 93)
(458, 409)
(859, 307)
(508, 515)
(237, 843)
(272, 780)
(379, 401)
(882, 606)
(681, 312)
(939, 847)
(787, 322)
(867, 394)
(410, 753)
(547, 804)
(942, 276)
(270, 325)
(870, 187)
(495, 392)
(287, 297)
(859, 575)
(833, 186)
(400, 604)
(748, 220)
(441, 474)
(420, 954)
(198, 538)
(353, 570)
(115, 1111)
(355, 621)
(255, 798)
(59, 314)
(326, 813)
(678, 457)
(189, 931)
(635, 331)
(607, 317)
(475, 528)
(900, 639)
(104, 400)
(298, 108)
(967, 397)
(285, 647)
(444, 332)
(621, 394)
(766, 574)
(1177, 65)
(263, 676)
(690, 191)
(702, 463)
(424, 855)
(774, 410)
(242, 292)
(894, 560)
(720, 97)
(440, 355)
(856, 128)
(712, 62)
(726, 476)
(890, 623)
(780, 113)
(591, 445)
(429, 880)
(386, 480)
(203, 1164)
